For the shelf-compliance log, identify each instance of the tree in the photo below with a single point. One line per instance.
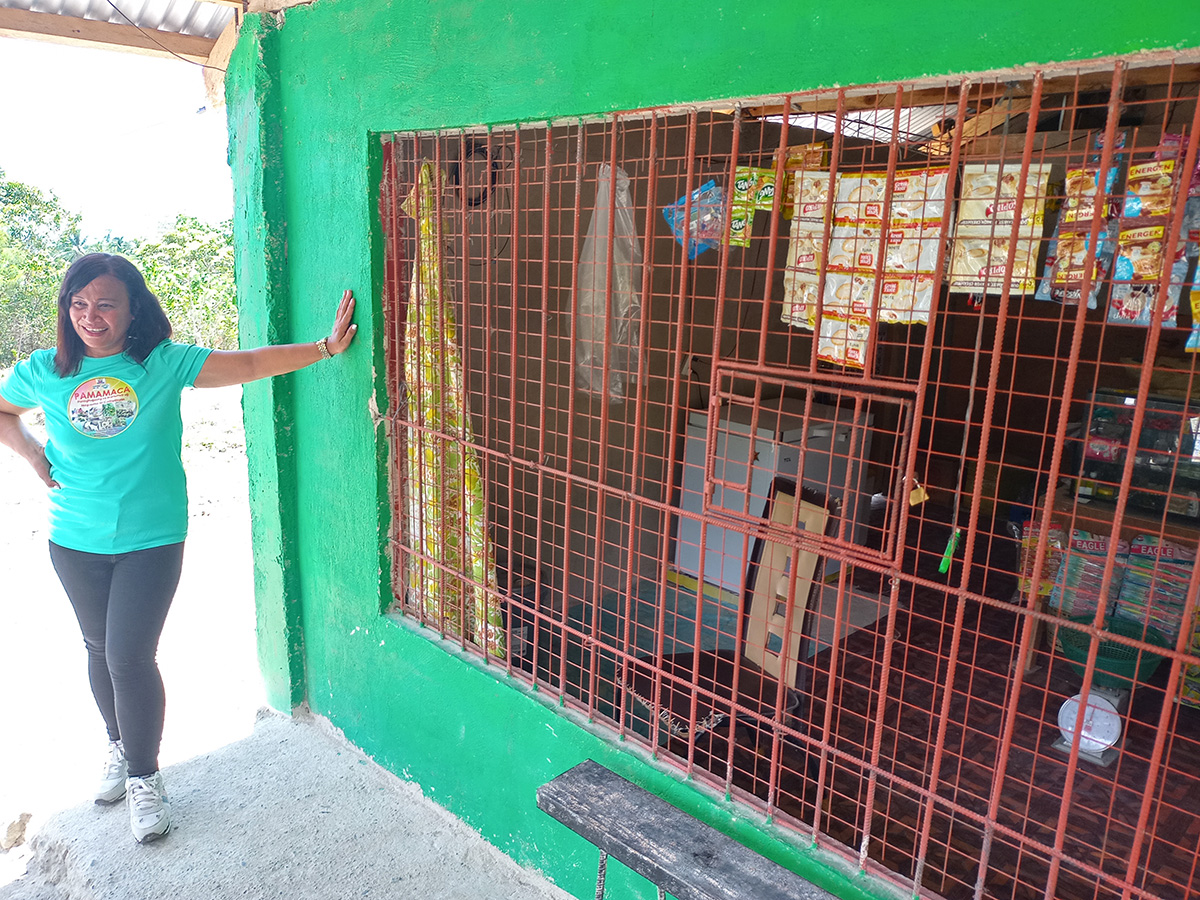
(189, 268)
(38, 239)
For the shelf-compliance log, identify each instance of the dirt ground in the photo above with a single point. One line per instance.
(52, 742)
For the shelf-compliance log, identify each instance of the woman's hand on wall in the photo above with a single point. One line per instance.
(224, 367)
(343, 329)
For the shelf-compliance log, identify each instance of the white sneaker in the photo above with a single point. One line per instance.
(149, 809)
(116, 770)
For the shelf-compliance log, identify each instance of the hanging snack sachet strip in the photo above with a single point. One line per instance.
(982, 238)
(800, 162)
(806, 248)
(1191, 249)
(1065, 271)
(862, 241)
(705, 227)
(907, 242)
(1191, 231)
(1142, 244)
(843, 342)
(753, 189)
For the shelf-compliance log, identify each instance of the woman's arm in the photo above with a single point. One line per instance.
(15, 435)
(224, 367)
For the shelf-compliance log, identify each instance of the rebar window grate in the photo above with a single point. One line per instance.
(839, 447)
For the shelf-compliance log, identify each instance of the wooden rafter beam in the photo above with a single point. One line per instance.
(218, 62)
(71, 30)
(978, 125)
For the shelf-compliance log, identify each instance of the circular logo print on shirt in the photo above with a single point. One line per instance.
(102, 407)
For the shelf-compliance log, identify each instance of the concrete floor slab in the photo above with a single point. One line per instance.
(292, 811)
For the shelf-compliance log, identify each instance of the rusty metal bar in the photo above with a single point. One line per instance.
(1035, 581)
(569, 464)
(910, 484)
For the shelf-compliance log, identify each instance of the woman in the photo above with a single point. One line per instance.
(110, 392)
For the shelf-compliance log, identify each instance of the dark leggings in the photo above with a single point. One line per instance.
(121, 602)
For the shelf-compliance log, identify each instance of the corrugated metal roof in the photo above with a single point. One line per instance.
(916, 122)
(189, 17)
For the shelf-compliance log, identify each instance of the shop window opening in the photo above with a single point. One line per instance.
(839, 447)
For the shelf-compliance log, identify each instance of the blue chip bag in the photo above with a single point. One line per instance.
(706, 225)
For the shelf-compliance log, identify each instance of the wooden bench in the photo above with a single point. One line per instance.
(673, 850)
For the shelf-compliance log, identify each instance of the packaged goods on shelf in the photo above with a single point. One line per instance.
(1155, 587)
(1077, 588)
(1189, 691)
(1056, 540)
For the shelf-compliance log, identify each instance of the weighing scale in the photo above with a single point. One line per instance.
(1118, 668)
(1101, 728)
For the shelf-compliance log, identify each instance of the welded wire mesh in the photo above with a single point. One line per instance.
(903, 456)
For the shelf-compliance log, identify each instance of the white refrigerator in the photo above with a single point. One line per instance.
(834, 459)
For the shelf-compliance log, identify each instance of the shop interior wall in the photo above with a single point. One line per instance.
(347, 71)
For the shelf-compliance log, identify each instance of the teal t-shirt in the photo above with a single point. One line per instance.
(115, 436)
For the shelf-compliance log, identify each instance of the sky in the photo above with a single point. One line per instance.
(125, 140)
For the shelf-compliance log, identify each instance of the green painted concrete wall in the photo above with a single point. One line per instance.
(308, 92)
(261, 264)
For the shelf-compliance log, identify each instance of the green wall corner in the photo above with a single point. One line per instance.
(261, 268)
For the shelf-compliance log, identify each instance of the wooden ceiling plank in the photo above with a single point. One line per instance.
(826, 102)
(72, 30)
(1060, 79)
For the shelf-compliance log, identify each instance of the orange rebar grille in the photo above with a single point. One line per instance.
(738, 561)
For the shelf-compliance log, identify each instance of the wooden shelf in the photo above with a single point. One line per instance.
(1097, 516)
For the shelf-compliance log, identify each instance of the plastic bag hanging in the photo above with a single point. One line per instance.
(608, 304)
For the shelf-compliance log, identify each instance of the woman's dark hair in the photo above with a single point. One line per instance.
(148, 329)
